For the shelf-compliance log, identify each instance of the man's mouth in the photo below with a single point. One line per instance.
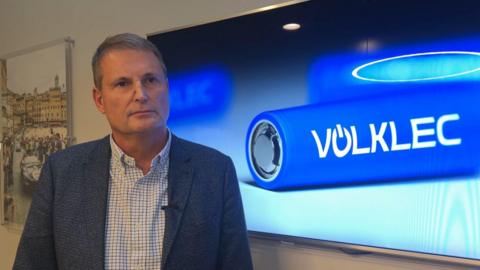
(141, 112)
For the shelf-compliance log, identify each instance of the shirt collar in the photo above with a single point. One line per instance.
(120, 158)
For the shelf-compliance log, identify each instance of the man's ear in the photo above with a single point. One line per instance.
(98, 99)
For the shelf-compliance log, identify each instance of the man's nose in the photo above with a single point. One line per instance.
(140, 92)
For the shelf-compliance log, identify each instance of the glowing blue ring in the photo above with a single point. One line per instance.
(356, 70)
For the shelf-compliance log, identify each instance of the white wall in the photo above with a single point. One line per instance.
(24, 23)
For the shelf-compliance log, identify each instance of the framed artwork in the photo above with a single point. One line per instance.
(35, 121)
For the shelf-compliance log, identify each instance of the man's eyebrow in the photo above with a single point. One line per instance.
(150, 74)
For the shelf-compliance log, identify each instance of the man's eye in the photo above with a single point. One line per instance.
(151, 80)
(122, 84)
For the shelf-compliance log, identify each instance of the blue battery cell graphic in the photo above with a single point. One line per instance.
(386, 138)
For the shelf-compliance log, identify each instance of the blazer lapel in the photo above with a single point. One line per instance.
(97, 169)
(180, 176)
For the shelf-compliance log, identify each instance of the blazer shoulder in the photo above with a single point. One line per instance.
(198, 151)
(81, 152)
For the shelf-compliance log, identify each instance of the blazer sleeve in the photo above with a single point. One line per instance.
(234, 247)
(36, 249)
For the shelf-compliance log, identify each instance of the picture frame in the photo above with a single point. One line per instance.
(35, 121)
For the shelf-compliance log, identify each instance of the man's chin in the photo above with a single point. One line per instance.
(147, 129)
(141, 128)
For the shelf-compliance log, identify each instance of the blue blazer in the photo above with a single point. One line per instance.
(205, 227)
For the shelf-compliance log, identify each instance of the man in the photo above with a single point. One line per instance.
(140, 198)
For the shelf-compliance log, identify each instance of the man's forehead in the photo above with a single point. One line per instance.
(130, 59)
(127, 54)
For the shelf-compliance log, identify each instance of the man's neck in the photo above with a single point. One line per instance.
(142, 147)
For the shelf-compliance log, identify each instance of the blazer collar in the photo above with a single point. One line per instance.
(180, 178)
(97, 172)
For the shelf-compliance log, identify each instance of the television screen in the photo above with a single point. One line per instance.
(348, 121)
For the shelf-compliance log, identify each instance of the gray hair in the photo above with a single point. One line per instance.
(119, 42)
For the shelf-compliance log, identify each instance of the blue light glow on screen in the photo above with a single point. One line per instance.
(204, 92)
(420, 67)
(406, 69)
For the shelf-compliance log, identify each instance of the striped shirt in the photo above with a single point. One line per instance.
(135, 221)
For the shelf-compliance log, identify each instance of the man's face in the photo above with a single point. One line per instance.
(134, 94)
